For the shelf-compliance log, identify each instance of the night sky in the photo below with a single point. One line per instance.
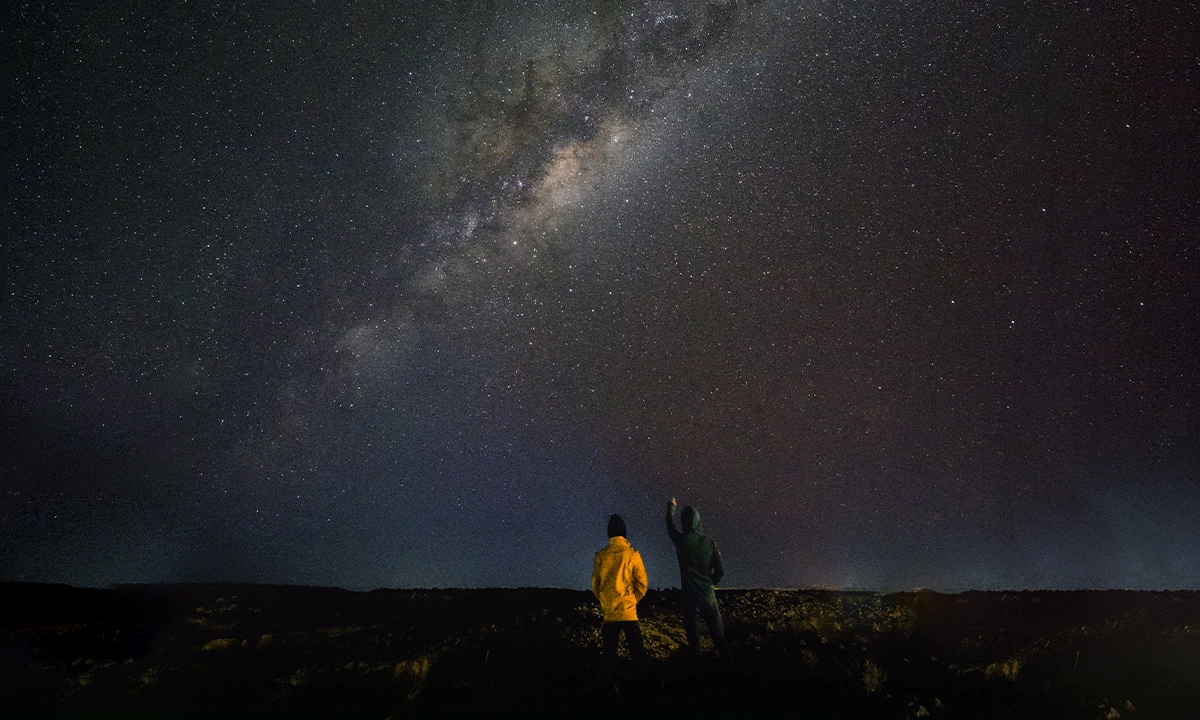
(379, 294)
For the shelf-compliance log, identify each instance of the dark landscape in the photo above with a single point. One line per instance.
(171, 648)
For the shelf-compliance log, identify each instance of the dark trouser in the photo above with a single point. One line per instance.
(692, 612)
(633, 640)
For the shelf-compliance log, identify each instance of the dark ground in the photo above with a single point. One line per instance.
(395, 652)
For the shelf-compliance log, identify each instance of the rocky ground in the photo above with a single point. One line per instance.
(397, 652)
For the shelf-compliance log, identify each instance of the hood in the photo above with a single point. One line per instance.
(690, 519)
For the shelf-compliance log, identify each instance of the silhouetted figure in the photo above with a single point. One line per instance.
(619, 582)
(700, 569)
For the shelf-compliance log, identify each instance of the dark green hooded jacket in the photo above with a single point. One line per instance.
(700, 565)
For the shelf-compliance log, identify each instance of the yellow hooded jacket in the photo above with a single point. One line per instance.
(619, 580)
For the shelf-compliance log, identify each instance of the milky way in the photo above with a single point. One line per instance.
(389, 296)
(529, 126)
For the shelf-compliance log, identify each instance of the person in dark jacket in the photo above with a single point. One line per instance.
(700, 568)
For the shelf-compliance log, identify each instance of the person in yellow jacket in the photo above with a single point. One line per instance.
(619, 582)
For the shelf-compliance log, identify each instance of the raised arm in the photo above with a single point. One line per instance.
(671, 529)
(718, 567)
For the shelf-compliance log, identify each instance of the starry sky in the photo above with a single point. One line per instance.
(390, 294)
